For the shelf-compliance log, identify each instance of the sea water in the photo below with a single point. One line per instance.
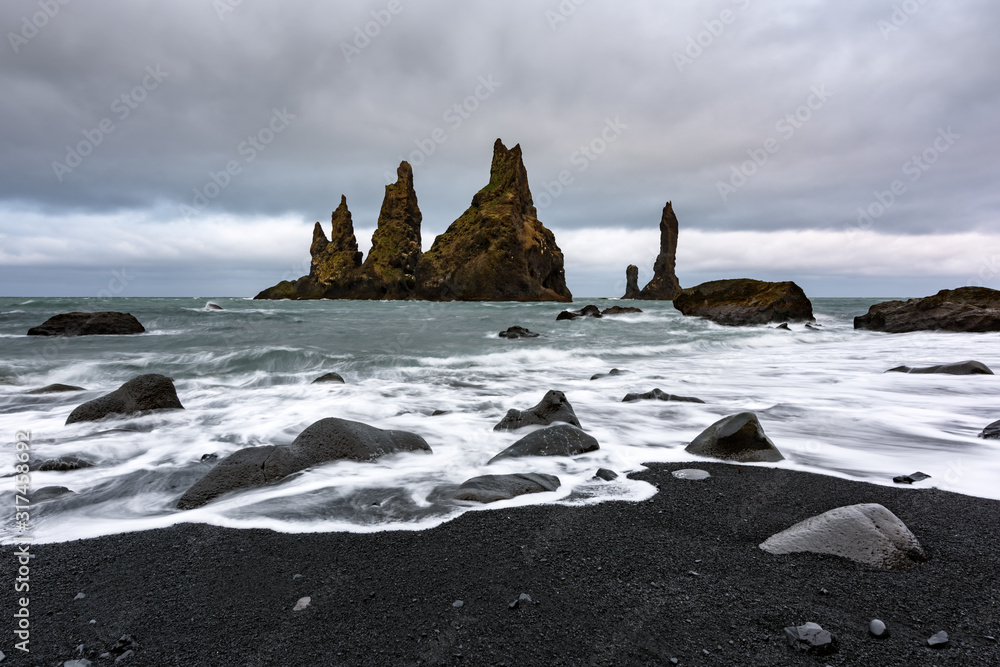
(244, 375)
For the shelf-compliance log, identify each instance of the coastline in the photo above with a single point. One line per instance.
(611, 584)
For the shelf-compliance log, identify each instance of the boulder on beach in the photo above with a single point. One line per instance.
(558, 440)
(141, 394)
(736, 438)
(518, 332)
(586, 311)
(323, 441)
(554, 407)
(867, 533)
(491, 488)
(88, 324)
(658, 394)
(743, 301)
(969, 309)
(55, 389)
(329, 377)
(960, 368)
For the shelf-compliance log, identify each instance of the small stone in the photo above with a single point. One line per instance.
(877, 629)
(823, 591)
(605, 474)
(82, 662)
(911, 478)
(302, 604)
(80, 596)
(296, 576)
(693, 573)
(938, 640)
(811, 638)
(458, 604)
(124, 656)
(209, 457)
(93, 621)
(674, 661)
(524, 597)
(691, 473)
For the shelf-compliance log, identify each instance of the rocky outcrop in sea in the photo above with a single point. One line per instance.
(964, 309)
(664, 285)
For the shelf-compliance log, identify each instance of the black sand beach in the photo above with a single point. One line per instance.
(677, 577)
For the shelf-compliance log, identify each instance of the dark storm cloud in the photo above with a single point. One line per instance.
(695, 92)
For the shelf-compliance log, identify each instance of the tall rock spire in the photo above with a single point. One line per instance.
(395, 252)
(334, 260)
(664, 284)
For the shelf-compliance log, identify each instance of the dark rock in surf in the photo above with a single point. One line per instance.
(438, 413)
(657, 394)
(783, 327)
(211, 305)
(992, 431)
(63, 464)
(327, 440)
(88, 324)
(554, 407)
(558, 440)
(970, 309)
(613, 371)
(55, 389)
(962, 368)
(606, 475)
(586, 311)
(329, 377)
(811, 638)
(491, 488)
(49, 493)
(620, 310)
(632, 282)
(518, 332)
(141, 394)
(743, 302)
(911, 478)
(736, 438)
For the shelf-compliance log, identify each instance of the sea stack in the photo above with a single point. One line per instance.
(391, 264)
(497, 250)
(632, 282)
(664, 285)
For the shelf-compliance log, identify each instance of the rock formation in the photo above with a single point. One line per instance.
(962, 309)
(743, 301)
(491, 488)
(139, 395)
(88, 324)
(554, 407)
(664, 285)
(736, 438)
(558, 440)
(496, 251)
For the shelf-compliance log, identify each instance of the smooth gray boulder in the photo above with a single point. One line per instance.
(327, 440)
(140, 394)
(491, 488)
(961, 368)
(866, 533)
(88, 324)
(660, 395)
(554, 407)
(559, 440)
(736, 438)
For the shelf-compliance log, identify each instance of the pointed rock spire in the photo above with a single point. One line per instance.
(664, 284)
(632, 282)
(333, 260)
(396, 243)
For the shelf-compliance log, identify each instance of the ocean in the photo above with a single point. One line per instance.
(244, 376)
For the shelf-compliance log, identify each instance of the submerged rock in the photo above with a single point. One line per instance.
(961, 368)
(49, 493)
(911, 478)
(518, 332)
(612, 372)
(55, 389)
(664, 284)
(632, 282)
(326, 440)
(867, 533)
(620, 310)
(329, 377)
(88, 324)
(736, 438)
(811, 638)
(558, 440)
(491, 488)
(992, 431)
(63, 464)
(554, 407)
(497, 250)
(743, 301)
(606, 475)
(141, 394)
(660, 395)
(972, 309)
(586, 311)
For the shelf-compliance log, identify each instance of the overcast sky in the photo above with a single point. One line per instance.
(770, 125)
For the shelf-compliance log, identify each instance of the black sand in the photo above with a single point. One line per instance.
(611, 584)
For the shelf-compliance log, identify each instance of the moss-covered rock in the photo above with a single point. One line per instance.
(497, 250)
(964, 309)
(743, 301)
(392, 262)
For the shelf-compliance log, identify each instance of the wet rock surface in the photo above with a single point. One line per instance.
(88, 324)
(55, 389)
(518, 332)
(141, 394)
(736, 438)
(557, 440)
(491, 488)
(554, 407)
(659, 395)
(329, 378)
(961, 368)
